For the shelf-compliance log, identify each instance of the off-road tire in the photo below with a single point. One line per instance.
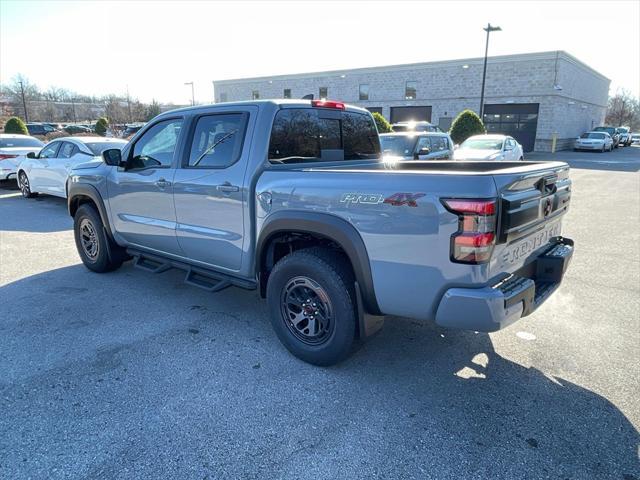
(89, 232)
(332, 273)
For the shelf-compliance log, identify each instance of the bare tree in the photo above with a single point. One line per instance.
(20, 92)
(623, 110)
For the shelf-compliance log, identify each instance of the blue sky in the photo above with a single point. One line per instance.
(154, 47)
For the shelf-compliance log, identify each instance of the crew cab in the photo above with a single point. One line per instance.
(291, 197)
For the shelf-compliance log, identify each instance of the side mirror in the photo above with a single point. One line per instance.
(113, 157)
(32, 155)
(422, 151)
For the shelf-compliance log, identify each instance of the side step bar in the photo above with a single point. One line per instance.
(210, 280)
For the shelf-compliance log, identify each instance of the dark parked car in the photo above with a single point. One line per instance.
(39, 128)
(613, 132)
(131, 130)
(71, 129)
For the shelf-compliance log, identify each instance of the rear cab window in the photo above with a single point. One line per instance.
(322, 135)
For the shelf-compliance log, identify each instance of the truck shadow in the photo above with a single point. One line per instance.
(413, 398)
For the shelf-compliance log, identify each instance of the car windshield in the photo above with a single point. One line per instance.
(20, 142)
(623, 130)
(609, 130)
(482, 144)
(399, 145)
(98, 147)
(598, 136)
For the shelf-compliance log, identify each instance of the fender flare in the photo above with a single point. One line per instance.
(333, 228)
(86, 190)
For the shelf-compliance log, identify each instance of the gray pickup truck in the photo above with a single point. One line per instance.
(290, 197)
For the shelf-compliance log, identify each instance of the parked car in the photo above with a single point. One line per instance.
(47, 172)
(132, 130)
(635, 138)
(13, 150)
(625, 136)
(73, 129)
(291, 198)
(613, 133)
(417, 146)
(419, 126)
(39, 128)
(489, 147)
(600, 141)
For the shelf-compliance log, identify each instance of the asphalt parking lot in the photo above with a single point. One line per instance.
(134, 375)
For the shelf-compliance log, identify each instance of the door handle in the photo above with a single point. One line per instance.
(162, 183)
(227, 188)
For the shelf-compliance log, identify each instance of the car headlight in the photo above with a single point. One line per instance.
(495, 156)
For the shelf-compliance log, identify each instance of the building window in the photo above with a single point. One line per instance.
(323, 92)
(287, 93)
(223, 96)
(410, 90)
(364, 91)
(255, 95)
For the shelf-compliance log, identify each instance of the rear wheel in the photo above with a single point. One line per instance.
(97, 252)
(312, 302)
(25, 186)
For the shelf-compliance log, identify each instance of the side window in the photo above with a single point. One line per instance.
(217, 140)
(423, 142)
(50, 150)
(156, 146)
(439, 144)
(66, 151)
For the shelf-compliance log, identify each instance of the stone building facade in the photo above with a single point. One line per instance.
(533, 97)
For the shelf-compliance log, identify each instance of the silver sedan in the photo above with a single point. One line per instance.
(598, 141)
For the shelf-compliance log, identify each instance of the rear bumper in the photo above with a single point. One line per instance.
(492, 308)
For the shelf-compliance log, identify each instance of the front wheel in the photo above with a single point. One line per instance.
(312, 302)
(96, 251)
(25, 186)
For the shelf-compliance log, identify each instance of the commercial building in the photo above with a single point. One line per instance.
(535, 97)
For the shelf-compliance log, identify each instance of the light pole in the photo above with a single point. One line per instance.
(24, 103)
(193, 97)
(487, 29)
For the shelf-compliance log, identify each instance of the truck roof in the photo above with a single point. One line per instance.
(293, 102)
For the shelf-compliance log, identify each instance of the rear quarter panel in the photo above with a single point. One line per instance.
(408, 246)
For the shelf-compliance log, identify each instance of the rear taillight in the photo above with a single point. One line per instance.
(327, 104)
(4, 156)
(475, 238)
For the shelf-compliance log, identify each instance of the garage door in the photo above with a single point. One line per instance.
(406, 114)
(520, 120)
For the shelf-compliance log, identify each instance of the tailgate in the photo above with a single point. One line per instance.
(531, 207)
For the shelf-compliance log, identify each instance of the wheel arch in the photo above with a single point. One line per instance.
(80, 194)
(322, 227)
